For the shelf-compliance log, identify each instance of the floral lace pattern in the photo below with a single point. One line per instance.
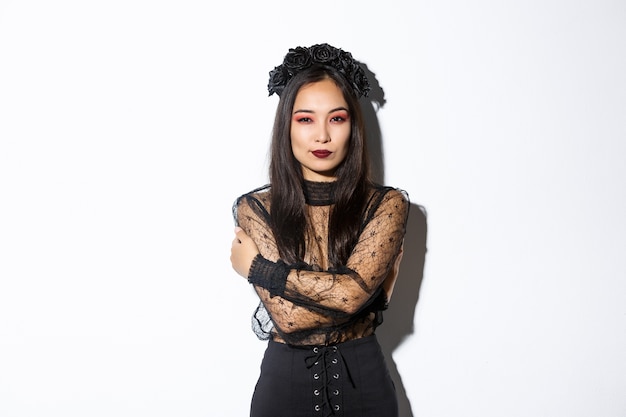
(308, 303)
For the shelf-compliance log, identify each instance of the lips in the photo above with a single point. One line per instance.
(320, 153)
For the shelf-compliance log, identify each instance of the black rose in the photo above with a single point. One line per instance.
(297, 59)
(278, 78)
(345, 62)
(324, 53)
(359, 81)
(300, 58)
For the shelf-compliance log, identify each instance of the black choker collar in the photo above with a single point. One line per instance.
(319, 193)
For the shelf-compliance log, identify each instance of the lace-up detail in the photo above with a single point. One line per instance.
(328, 371)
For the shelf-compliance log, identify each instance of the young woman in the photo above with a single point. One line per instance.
(321, 244)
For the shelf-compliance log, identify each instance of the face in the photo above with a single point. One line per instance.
(320, 130)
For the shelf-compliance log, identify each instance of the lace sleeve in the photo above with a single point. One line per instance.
(349, 288)
(250, 213)
(299, 296)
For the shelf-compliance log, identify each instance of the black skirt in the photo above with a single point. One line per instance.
(350, 379)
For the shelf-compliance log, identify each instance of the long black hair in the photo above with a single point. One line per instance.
(288, 221)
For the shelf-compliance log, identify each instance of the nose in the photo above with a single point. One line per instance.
(323, 135)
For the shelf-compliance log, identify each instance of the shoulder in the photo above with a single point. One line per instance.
(386, 199)
(386, 193)
(261, 194)
(254, 201)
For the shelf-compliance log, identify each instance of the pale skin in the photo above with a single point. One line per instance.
(320, 134)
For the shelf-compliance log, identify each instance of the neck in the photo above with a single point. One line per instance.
(319, 193)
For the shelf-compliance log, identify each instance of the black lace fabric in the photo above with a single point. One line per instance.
(310, 303)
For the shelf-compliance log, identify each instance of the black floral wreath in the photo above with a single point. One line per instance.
(300, 58)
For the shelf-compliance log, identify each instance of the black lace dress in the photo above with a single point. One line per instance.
(308, 304)
(317, 319)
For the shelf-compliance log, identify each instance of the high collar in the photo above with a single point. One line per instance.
(319, 193)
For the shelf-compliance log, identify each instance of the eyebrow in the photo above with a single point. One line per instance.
(311, 111)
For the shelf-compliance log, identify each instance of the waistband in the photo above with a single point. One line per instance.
(328, 367)
(348, 343)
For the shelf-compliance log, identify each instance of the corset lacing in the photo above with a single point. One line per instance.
(327, 365)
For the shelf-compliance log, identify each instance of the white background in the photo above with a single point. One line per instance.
(128, 128)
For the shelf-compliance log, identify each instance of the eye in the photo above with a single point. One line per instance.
(339, 118)
(303, 119)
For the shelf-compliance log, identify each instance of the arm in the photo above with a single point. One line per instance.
(254, 242)
(351, 287)
(390, 281)
(312, 298)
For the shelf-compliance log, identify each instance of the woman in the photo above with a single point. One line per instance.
(321, 244)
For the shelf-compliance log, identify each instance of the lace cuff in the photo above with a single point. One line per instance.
(269, 275)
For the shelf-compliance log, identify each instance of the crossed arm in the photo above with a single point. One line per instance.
(299, 297)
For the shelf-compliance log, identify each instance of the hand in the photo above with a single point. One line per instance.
(242, 252)
(390, 280)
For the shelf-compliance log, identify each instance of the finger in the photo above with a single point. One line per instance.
(241, 235)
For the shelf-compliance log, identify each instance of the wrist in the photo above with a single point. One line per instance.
(269, 275)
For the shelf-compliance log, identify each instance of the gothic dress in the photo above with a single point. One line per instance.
(322, 357)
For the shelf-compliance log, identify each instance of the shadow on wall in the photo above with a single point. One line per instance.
(398, 319)
(370, 105)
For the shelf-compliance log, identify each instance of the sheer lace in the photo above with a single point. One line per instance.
(309, 303)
